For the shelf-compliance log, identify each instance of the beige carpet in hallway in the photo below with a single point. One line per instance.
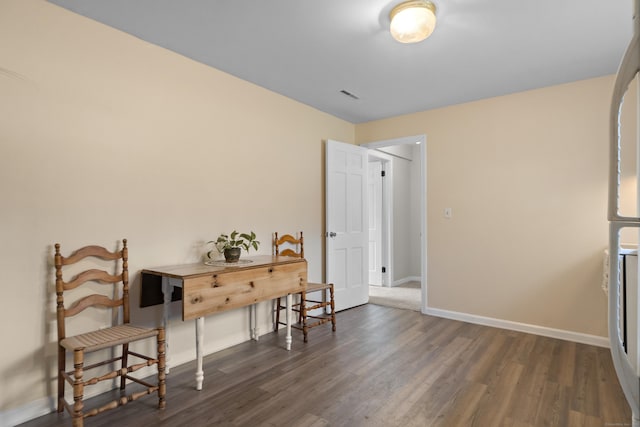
(406, 296)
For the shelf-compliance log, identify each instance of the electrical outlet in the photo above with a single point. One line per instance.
(448, 213)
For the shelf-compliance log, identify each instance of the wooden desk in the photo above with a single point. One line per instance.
(208, 289)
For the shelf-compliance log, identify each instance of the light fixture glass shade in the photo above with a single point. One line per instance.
(413, 21)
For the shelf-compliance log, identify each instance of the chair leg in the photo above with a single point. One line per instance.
(162, 388)
(78, 388)
(333, 309)
(123, 365)
(277, 322)
(303, 314)
(300, 311)
(62, 353)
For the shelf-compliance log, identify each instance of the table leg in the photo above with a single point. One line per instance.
(199, 344)
(251, 329)
(167, 290)
(289, 316)
(255, 333)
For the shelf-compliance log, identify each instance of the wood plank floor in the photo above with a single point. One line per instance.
(388, 367)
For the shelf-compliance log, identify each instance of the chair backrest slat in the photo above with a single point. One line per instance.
(290, 252)
(94, 251)
(93, 275)
(93, 300)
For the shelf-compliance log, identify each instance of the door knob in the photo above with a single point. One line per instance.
(332, 234)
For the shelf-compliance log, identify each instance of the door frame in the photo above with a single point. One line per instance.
(422, 141)
(387, 213)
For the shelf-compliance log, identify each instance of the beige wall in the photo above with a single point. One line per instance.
(526, 177)
(103, 136)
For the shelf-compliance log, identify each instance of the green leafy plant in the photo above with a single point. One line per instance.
(244, 241)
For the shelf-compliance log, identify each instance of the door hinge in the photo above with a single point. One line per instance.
(382, 174)
(384, 269)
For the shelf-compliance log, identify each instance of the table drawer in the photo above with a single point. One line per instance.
(237, 288)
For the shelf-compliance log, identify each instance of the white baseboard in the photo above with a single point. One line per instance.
(406, 280)
(521, 327)
(32, 410)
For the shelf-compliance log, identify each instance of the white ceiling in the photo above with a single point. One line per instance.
(311, 50)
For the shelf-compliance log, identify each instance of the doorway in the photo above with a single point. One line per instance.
(397, 235)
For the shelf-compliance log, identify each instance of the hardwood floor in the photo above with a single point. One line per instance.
(388, 367)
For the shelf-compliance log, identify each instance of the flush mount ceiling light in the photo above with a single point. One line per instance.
(413, 21)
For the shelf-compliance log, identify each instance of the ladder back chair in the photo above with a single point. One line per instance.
(289, 245)
(120, 335)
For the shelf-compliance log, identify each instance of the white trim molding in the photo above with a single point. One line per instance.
(25, 413)
(544, 331)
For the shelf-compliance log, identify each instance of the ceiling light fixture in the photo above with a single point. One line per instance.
(413, 21)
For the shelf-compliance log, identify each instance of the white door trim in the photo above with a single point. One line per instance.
(387, 215)
(374, 198)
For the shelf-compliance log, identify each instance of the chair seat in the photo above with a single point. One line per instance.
(108, 337)
(312, 287)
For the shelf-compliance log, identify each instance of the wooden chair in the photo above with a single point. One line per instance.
(110, 337)
(294, 247)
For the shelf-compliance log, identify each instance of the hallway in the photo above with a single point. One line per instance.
(405, 296)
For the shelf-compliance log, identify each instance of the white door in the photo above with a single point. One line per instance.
(375, 222)
(347, 229)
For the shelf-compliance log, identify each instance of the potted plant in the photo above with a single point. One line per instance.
(232, 244)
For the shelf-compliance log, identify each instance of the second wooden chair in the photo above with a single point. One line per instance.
(316, 296)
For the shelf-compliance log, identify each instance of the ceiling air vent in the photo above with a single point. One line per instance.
(349, 94)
